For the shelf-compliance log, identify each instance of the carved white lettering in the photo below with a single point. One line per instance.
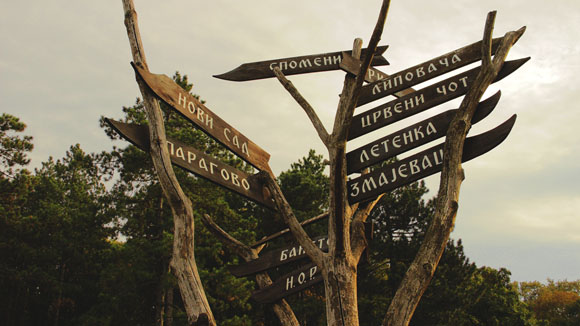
(203, 165)
(245, 184)
(354, 189)
(289, 283)
(305, 63)
(455, 59)
(182, 100)
(369, 184)
(403, 171)
(375, 150)
(190, 157)
(179, 153)
(364, 156)
(414, 165)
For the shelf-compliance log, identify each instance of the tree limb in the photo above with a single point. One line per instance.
(281, 233)
(315, 254)
(310, 112)
(423, 267)
(358, 236)
(183, 258)
(282, 309)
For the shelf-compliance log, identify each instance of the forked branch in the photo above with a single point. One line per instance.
(310, 112)
(282, 309)
(315, 254)
(183, 258)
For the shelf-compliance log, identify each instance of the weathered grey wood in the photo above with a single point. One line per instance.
(423, 267)
(183, 256)
(278, 257)
(294, 65)
(422, 164)
(411, 137)
(281, 308)
(423, 72)
(199, 163)
(288, 284)
(352, 66)
(422, 100)
(200, 115)
(285, 231)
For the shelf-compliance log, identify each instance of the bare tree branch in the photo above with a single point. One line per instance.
(423, 267)
(183, 258)
(282, 309)
(358, 234)
(315, 254)
(281, 233)
(310, 112)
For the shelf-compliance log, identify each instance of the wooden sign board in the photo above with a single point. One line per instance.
(352, 66)
(288, 284)
(193, 110)
(421, 165)
(199, 163)
(276, 258)
(423, 72)
(422, 100)
(295, 65)
(411, 137)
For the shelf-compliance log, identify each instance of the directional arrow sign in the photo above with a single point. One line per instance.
(193, 110)
(352, 65)
(199, 163)
(288, 284)
(411, 137)
(276, 258)
(423, 72)
(422, 100)
(421, 165)
(295, 65)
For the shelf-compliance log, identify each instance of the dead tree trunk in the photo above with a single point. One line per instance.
(423, 267)
(183, 259)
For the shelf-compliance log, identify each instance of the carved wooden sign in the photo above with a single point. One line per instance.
(423, 72)
(421, 165)
(422, 100)
(295, 65)
(411, 137)
(193, 110)
(352, 65)
(199, 163)
(290, 283)
(276, 258)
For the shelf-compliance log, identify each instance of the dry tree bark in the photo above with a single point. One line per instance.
(338, 266)
(183, 259)
(282, 309)
(423, 267)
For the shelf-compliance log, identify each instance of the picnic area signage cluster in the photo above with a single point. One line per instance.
(407, 102)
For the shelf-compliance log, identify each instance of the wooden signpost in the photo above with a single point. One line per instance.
(193, 110)
(278, 257)
(421, 100)
(295, 65)
(421, 165)
(407, 103)
(352, 65)
(199, 163)
(366, 187)
(288, 284)
(411, 137)
(423, 72)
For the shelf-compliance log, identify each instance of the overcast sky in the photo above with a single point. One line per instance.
(63, 64)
